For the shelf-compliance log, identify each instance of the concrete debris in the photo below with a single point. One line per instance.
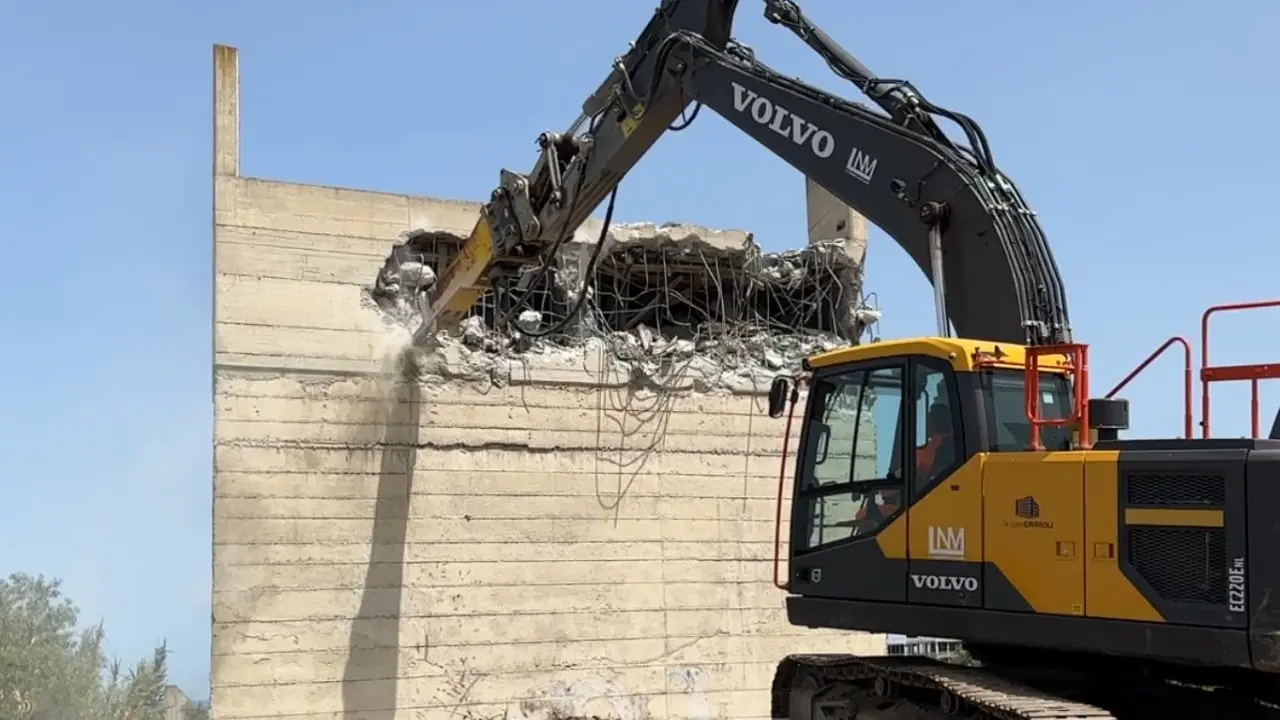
(408, 274)
(660, 296)
(529, 320)
(473, 335)
(867, 316)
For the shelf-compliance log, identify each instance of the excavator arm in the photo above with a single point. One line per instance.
(946, 204)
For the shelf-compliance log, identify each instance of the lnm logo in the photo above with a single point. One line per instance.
(946, 543)
(861, 165)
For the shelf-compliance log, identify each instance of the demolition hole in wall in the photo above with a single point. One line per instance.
(685, 289)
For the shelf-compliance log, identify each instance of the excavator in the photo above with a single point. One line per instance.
(961, 486)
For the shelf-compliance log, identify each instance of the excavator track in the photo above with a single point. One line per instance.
(836, 687)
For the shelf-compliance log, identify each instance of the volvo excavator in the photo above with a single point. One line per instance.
(962, 486)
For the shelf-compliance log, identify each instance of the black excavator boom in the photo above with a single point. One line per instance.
(959, 218)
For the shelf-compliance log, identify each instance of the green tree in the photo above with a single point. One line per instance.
(51, 670)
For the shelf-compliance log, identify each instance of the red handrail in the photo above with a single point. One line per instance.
(1186, 378)
(782, 483)
(1078, 365)
(1229, 373)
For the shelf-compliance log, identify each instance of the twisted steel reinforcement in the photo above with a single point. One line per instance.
(676, 286)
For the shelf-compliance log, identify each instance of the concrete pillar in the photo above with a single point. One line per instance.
(831, 219)
(226, 111)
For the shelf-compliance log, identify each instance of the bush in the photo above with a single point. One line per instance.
(52, 670)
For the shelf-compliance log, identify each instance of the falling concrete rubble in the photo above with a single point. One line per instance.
(658, 295)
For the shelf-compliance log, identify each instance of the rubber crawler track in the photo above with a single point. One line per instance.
(964, 691)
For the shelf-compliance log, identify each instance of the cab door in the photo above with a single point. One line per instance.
(848, 530)
(945, 490)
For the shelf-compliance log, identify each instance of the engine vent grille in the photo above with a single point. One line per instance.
(1177, 490)
(1181, 564)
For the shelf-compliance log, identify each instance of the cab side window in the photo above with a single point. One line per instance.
(937, 425)
(852, 455)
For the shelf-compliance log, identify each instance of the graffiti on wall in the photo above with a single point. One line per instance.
(691, 681)
(596, 696)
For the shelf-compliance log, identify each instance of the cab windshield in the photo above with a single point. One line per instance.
(1004, 394)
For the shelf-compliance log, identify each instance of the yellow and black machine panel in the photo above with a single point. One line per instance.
(1182, 539)
(946, 488)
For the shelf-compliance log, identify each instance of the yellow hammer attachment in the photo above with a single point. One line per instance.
(460, 286)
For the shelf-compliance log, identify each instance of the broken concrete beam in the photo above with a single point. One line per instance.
(680, 236)
(832, 222)
(672, 240)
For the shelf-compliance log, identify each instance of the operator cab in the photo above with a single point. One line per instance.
(885, 422)
(916, 428)
(951, 383)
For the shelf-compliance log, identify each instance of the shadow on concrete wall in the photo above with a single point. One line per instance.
(371, 677)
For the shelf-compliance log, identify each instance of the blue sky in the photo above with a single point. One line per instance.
(1140, 131)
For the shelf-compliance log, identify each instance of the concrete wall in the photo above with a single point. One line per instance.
(830, 219)
(176, 703)
(543, 540)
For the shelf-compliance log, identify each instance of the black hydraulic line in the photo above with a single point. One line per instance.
(587, 274)
(898, 99)
(905, 104)
(635, 105)
(892, 174)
